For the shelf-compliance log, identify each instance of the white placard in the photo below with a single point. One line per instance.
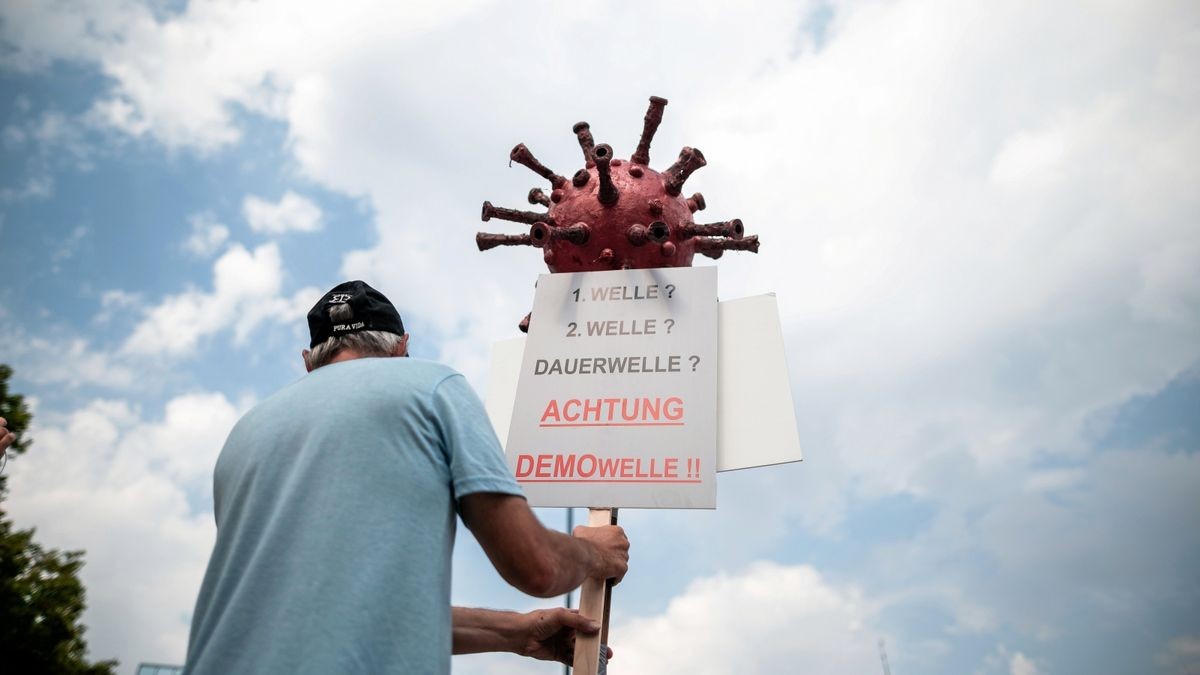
(616, 401)
(756, 422)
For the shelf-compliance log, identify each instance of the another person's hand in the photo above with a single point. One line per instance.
(549, 634)
(6, 437)
(613, 546)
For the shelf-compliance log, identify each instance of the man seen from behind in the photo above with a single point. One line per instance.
(336, 502)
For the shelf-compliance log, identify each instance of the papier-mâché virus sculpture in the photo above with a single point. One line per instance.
(617, 214)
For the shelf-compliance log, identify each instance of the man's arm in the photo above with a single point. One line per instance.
(547, 634)
(536, 560)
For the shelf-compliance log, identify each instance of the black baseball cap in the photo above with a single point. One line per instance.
(372, 311)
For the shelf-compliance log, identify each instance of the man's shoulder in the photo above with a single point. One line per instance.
(394, 375)
(430, 373)
(382, 378)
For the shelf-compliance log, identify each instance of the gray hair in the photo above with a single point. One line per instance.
(365, 343)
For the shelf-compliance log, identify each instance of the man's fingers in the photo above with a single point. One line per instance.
(573, 619)
(623, 570)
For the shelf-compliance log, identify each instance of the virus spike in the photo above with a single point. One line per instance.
(689, 160)
(581, 178)
(584, 133)
(637, 234)
(668, 249)
(542, 234)
(696, 202)
(659, 231)
(527, 217)
(602, 155)
(730, 228)
(650, 124)
(713, 248)
(522, 155)
(577, 234)
(536, 196)
(487, 240)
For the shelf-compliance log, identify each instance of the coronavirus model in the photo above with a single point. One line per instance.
(617, 214)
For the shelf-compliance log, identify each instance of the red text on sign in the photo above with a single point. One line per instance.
(637, 411)
(588, 468)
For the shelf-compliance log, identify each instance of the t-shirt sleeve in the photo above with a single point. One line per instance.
(473, 453)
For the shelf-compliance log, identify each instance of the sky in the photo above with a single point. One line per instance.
(981, 221)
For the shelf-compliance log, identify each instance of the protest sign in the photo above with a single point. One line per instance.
(616, 401)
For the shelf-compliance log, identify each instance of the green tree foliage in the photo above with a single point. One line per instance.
(14, 410)
(41, 597)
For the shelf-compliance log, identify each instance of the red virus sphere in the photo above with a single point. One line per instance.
(617, 214)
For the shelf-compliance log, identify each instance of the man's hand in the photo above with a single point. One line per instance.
(549, 634)
(6, 436)
(613, 548)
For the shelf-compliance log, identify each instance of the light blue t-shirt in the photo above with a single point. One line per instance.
(335, 503)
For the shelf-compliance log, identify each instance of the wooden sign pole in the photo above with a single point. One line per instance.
(595, 599)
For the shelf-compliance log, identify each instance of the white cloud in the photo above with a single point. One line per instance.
(1101, 541)
(912, 253)
(67, 363)
(1002, 660)
(1168, 292)
(768, 618)
(74, 362)
(66, 249)
(964, 228)
(291, 213)
(56, 132)
(1022, 665)
(246, 292)
(763, 618)
(135, 495)
(36, 186)
(116, 299)
(41, 354)
(1054, 479)
(1180, 656)
(48, 143)
(207, 235)
(174, 83)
